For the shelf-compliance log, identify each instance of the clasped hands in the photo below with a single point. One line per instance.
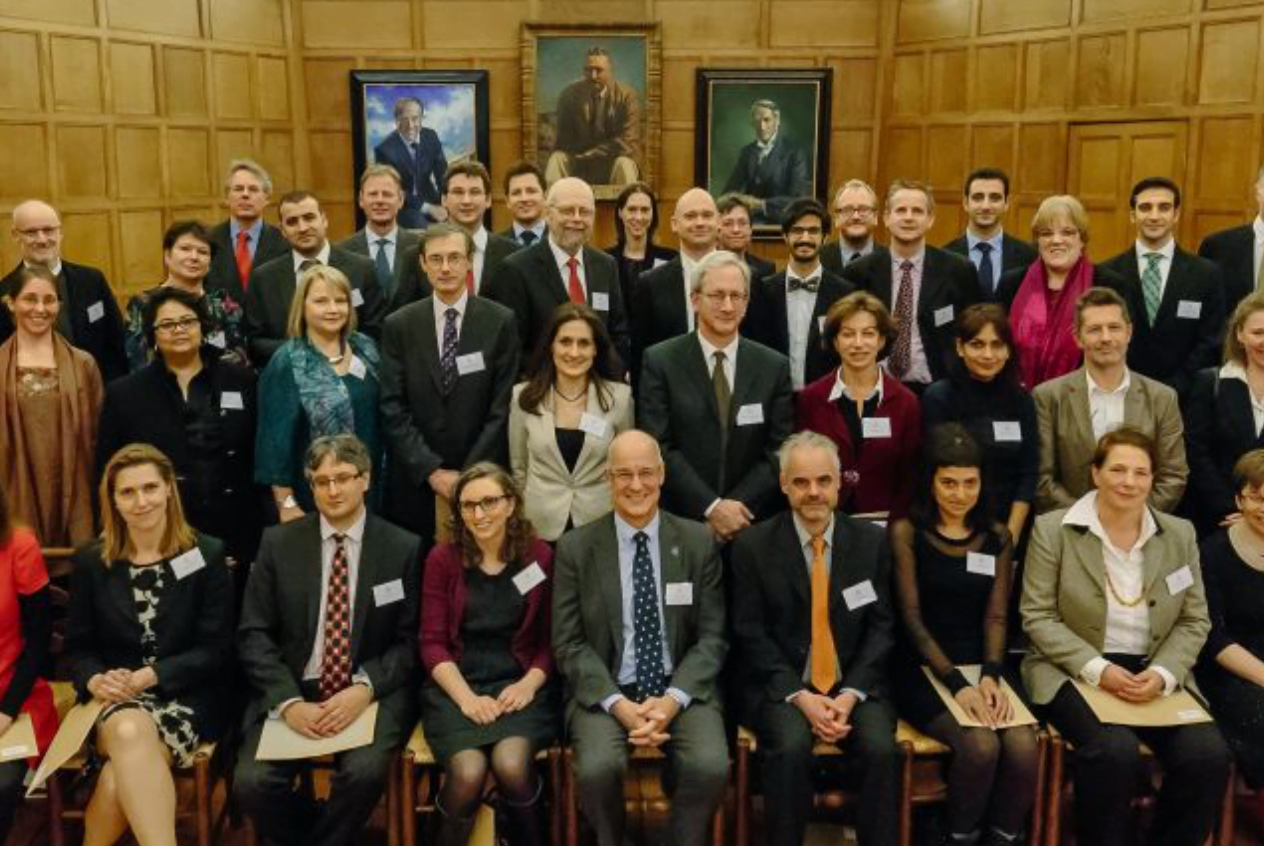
(485, 710)
(120, 685)
(1139, 687)
(829, 717)
(325, 719)
(647, 721)
(986, 703)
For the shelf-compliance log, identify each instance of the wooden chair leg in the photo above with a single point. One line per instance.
(572, 801)
(408, 800)
(1053, 816)
(556, 797)
(1225, 835)
(1038, 801)
(906, 794)
(741, 802)
(717, 825)
(56, 804)
(393, 804)
(202, 798)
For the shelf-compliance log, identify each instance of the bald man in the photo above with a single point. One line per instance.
(534, 281)
(89, 317)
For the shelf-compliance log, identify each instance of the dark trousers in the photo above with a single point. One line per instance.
(12, 775)
(785, 750)
(1108, 767)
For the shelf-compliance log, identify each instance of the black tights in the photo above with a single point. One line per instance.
(512, 765)
(992, 773)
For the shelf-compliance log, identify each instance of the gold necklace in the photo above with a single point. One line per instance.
(1127, 603)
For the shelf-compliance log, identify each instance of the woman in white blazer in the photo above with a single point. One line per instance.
(562, 420)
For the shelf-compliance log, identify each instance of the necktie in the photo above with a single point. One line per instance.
(902, 355)
(987, 276)
(527, 238)
(1152, 285)
(573, 286)
(242, 255)
(723, 391)
(854, 257)
(597, 116)
(647, 631)
(382, 263)
(416, 149)
(809, 285)
(447, 359)
(307, 264)
(824, 658)
(469, 281)
(335, 667)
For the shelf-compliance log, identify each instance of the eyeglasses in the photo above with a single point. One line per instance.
(582, 212)
(644, 475)
(797, 231)
(853, 211)
(1252, 499)
(37, 231)
(334, 482)
(184, 324)
(488, 503)
(719, 298)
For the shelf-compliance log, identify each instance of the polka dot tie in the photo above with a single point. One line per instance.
(335, 668)
(647, 629)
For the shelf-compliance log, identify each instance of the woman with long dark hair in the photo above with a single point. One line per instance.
(635, 221)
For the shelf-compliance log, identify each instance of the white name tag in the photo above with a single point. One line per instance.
(1179, 581)
(357, 299)
(1007, 430)
(943, 315)
(1189, 309)
(680, 593)
(750, 415)
(190, 562)
(388, 592)
(470, 363)
(9, 753)
(231, 401)
(593, 425)
(983, 565)
(859, 595)
(1188, 714)
(356, 368)
(659, 263)
(96, 311)
(528, 578)
(600, 301)
(217, 339)
(876, 427)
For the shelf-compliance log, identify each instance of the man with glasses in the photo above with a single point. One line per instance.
(448, 366)
(328, 626)
(735, 233)
(720, 406)
(245, 240)
(89, 317)
(855, 219)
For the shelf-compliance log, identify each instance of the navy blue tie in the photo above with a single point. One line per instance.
(647, 634)
(987, 279)
(382, 265)
(447, 359)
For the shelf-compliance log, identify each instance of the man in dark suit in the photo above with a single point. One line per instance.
(245, 240)
(788, 309)
(416, 153)
(855, 219)
(985, 242)
(328, 626)
(449, 363)
(272, 285)
(1237, 252)
(535, 281)
(641, 671)
(395, 251)
(89, 318)
(924, 288)
(772, 170)
(720, 405)
(1176, 298)
(812, 628)
(467, 198)
(524, 197)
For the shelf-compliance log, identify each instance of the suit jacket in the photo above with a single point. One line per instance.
(497, 250)
(772, 608)
(410, 281)
(193, 630)
(588, 609)
(1219, 429)
(529, 284)
(223, 273)
(948, 281)
(620, 130)
(1067, 443)
(1187, 331)
(1016, 254)
(271, 291)
(1063, 602)
(677, 407)
(832, 256)
(759, 268)
(767, 322)
(282, 606)
(1103, 277)
(421, 177)
(95, 320)
(427, 430)
(1233, 251)
(659, 309)
(783, 175)
(551, 493)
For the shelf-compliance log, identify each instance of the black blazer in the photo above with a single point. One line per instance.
(529, 284)
(223, 273)
(86, 289)
(282, 606)
(1233, 251)
(658, 310)
(832, 256)
(785, 174)
(772, 608)
(1016, 254)
(766, 320)
(194, 630)
(421, 177)
(677, 407)
(759, 268)
(497, 250)
(271, 291)
(410, 281)
(427, 430)
(1219, 429)
(947, 280)
(1175, 348)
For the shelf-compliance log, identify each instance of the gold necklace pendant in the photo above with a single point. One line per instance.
(1127, 603)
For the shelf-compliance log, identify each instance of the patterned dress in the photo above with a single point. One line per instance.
(227, 334)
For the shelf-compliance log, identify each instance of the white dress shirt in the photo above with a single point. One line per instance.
(1168, 251)
(480, 256)
(730, 358)
(298, 258)
(799, 307)
(392, 241)
(1106, 408)
(563, 266)
(1233, 370)
(840, 389)
(353, 542)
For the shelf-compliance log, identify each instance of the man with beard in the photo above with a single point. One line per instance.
(417, 156)
(855, 219)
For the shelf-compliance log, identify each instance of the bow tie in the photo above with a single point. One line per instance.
(809, 285)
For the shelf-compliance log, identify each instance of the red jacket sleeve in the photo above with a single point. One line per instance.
(438, 600)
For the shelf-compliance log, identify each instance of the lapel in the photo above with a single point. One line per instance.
(926, 299)
(428, 340)
(1077, 400)
(604, 559)
(743, 375)
(472, 328)
(1176, 289)
(677, 307)
(672, 571)
(359, 243)
(550, 272)
(594, 279)
(780, 314)
(366, 578)
(838, 564)
(695, 366)
(591, 406)
(882, 283)
(1086, 548)
(308, 555)
(1155, 557)
(798, 577)
(1134, 403)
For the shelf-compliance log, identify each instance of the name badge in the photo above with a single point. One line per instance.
(860, 595)
(96, 311)
(1179, 581)
(876, 427)
(1189, 309)
(600, 301)
(190, 562)
(680, 593)
(388, 592)
(357, 299)
(231, 401)
(529, 577)
(980, 564)
(659, 263)
(357, 368)
(21, 750)
(217, 339)
(593, 425)
(943, 315)
(750, 415)
(470, 363)
(1007, 430)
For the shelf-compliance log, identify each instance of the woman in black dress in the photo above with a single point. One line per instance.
(489, 701)
(636, 218)
(951, 553)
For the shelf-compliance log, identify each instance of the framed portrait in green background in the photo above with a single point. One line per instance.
(764, 133)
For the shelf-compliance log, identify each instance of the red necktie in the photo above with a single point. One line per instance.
(243, 258)
(335, 667)
(573, 286)
(469, 281)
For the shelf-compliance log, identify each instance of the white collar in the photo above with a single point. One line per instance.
(626, 532)
(562, 257)
(355, 531)
(805, 538)
(709, 349)
(1084, 514)
(460, 305)
(1168, 250)
(480, 238)
(299, 258)
(815, 274)
(840, 389)
(372, 237)
(1124, 384)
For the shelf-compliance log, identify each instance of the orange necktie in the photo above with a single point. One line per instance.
(824, 658)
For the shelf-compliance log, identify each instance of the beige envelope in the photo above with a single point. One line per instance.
(19, 740)
(1021, 716)
(282, 743)
(1179, 709)
(74, 730)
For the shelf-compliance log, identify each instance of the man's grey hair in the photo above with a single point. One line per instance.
(344, 448)
(770, 105)
(807, 439)
(714, 261)
(252, 167)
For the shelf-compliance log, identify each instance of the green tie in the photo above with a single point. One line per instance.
(1152, 285)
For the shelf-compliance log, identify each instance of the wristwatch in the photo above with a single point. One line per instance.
(288, 502)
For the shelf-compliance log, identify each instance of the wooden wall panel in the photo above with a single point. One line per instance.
(1162, 61)
(88, 237)
(1101, 80)
(855, 82)
(946, 157)
(849, 155)
(991, 146)
(1096, 11)
(1039, 159)
(373, 24)
(234, 94)
(817, 24)
(277, 155)
(1047, 74)
(445, 23)
(716, 23)
(248, 21)
(76, 74)
(184, 73)
(78, 12)
(230, 144)
(998, 16)
(82, 162)
(24, 165)
(328, 100)
(909, 97)
(162, 17)
(133, 82)
(931, 20)
(274, 88)
(136, 149)
(1230, 62)
(1227, 153)
(948, 80)
(140, 235)
(189, 156)
(994, 83)
(19, 71)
